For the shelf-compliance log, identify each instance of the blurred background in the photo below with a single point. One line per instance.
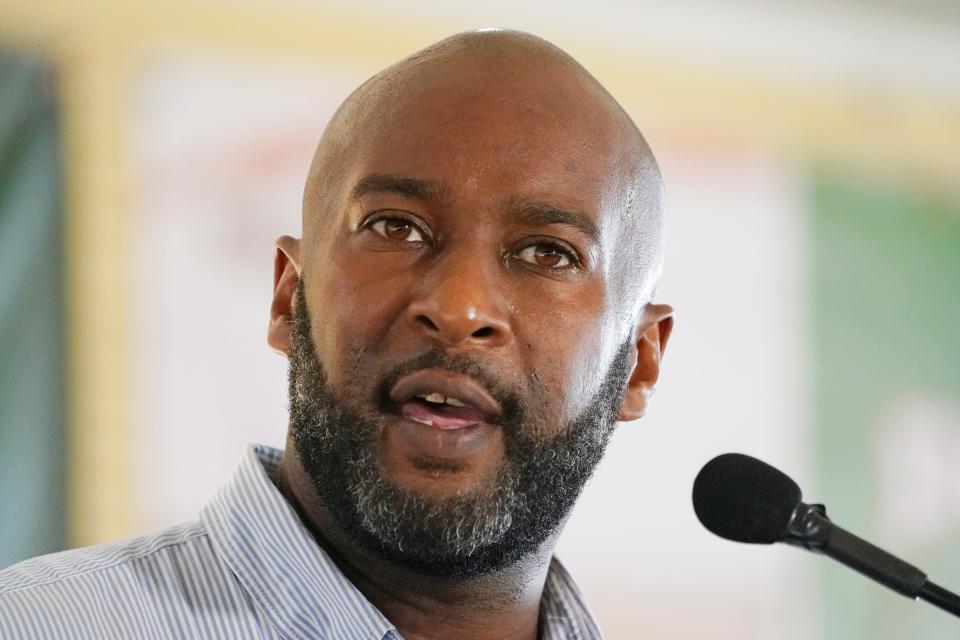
(151, 152)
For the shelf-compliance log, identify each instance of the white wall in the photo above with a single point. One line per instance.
(222, 150)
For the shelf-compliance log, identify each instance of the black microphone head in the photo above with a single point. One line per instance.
(744, 499)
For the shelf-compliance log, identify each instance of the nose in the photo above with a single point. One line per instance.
(457, 304)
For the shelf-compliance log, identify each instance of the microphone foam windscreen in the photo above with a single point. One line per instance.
(744, 499)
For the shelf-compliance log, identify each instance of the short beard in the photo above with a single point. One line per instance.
(472, 533)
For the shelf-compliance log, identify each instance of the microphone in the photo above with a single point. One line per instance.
(743, 499)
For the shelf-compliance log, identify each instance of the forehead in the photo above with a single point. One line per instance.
(488, 132)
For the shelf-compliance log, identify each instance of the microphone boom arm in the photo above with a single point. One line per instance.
(811, 529)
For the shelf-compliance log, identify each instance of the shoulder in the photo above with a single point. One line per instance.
(68, 566)
(149, 586)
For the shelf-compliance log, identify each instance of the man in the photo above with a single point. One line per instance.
(467, 315)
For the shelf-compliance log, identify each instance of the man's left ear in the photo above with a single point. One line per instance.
(652, 335)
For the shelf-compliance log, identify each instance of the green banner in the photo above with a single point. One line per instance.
(886, 372)
(32, 449)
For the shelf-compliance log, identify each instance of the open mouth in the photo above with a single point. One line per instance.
(435, 410)
(444, 400)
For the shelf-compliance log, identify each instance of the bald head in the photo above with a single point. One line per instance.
(502, 93)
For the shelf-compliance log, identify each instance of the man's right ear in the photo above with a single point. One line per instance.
(286, 275)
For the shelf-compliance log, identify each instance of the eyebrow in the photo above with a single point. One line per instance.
(406, 187)
(538, 212)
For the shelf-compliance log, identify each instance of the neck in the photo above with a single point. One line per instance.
(502, 604)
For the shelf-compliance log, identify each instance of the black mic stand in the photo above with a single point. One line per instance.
(811, 529)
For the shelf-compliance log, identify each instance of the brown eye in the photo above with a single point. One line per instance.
(397, 229)
(545, 255)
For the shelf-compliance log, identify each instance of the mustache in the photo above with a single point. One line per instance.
(483, 373)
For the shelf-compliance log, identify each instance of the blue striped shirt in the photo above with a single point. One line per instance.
(249, 568)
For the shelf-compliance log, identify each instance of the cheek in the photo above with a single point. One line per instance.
(354, 308)
(563, 341)
(588, 372)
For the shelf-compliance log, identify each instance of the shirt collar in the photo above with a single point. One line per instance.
(290, 578)
(299, 588)
(564, 612)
